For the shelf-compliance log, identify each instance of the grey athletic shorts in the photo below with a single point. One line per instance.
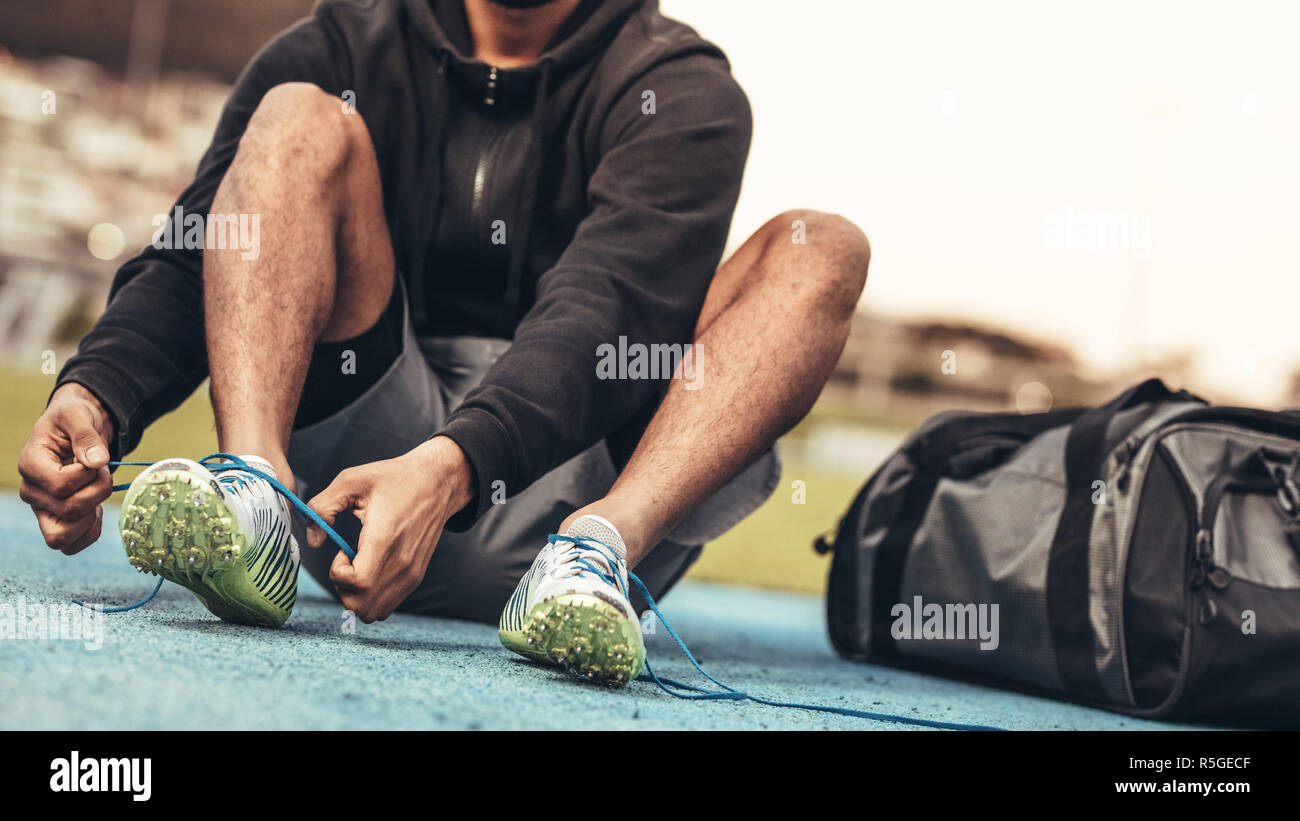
(472, 574)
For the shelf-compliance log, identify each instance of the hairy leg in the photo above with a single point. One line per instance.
(772, 327)
(325, 271)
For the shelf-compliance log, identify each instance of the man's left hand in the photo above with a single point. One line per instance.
(402, 504)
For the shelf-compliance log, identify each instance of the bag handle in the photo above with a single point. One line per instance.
(1150, 390)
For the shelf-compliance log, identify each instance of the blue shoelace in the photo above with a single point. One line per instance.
(221, 462)
(678, 689)
(230, 462)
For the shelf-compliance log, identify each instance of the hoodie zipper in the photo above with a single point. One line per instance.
(483, 163)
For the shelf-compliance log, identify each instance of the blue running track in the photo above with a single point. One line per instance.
(171, 665)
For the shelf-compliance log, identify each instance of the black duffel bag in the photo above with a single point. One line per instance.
(1143, 556)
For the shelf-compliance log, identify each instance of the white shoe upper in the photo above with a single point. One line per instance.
(596, 566)
(262, 512)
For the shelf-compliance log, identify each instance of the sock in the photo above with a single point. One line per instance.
(591, 526)
(260, 464)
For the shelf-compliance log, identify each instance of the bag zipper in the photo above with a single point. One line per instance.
(1204, 570)
(1131, 446)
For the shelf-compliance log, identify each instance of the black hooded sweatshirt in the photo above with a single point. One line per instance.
(613, 164)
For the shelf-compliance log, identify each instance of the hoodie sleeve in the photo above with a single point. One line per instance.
(146, 353)
(660, 204)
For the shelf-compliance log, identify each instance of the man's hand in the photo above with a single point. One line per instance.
(402, 504)
(64, 469)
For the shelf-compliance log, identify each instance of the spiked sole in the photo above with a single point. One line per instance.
(587, 636)
(176, 525)
(517, 641)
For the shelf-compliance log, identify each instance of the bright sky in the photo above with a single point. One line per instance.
(1033, 164)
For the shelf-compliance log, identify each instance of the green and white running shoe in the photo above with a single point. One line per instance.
(571, 609)
(226, 536)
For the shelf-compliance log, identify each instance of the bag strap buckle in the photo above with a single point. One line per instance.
(1282, 470)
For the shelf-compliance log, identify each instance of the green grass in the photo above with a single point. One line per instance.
(187, 431)
(771, 549)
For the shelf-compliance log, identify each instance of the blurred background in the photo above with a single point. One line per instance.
(1062, 198)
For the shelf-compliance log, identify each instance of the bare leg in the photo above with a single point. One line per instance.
(325, 269)
(773, 325)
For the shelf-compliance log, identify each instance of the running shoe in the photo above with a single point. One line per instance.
(571, 609)
(225, 535)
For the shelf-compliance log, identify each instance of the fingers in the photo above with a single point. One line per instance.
(360, 582)
(344, 578)
(70, 536)
(91, 536)
(41, 465)
(65, 451)
(375, 582)
(374, 545)
(346, 492)
(79, 505)
(87, 445)
(400, 525)
(355, 579)
(354, 598)
(373, 606)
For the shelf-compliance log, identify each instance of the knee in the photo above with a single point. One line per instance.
(840, 254)
(299, 127)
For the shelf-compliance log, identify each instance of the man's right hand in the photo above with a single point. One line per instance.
(64, 469)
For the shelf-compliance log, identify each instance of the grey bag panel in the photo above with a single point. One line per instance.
(1113, 520)
(985, 541)
(877, 515)
(986, 544)
(1248, 537)
(1105, 602)
(850, 608)
(1269, 561)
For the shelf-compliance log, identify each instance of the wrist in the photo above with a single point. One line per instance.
(70, 392)
(450, 469)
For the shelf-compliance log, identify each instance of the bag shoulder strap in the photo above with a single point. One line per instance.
(1068, 601)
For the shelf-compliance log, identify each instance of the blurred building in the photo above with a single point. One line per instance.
(81, 148)
(143, 37)
(911, 369)
(108, 106)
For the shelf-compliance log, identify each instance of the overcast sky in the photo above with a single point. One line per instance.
(1120, 177)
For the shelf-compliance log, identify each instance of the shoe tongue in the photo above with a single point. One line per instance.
(600, 529)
